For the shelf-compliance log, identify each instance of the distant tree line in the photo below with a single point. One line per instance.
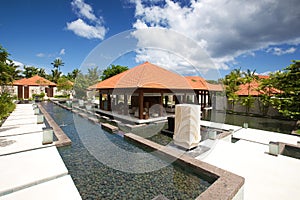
(287, 81)
(73, 80)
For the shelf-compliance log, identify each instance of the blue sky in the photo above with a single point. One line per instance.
(261, 35)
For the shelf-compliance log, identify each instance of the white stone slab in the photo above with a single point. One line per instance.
(266, 176)
(24, 121)
(22, 170)
(60, 188)
(265, 137)
(219, 125)
(19, 143)
(21, 129)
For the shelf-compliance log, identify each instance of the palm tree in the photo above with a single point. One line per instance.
(55, 75)
(232, 82)
(56, 71)
(57, 63)
(72, 75)
(248, 77)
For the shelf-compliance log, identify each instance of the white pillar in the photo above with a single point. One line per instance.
(187, 125)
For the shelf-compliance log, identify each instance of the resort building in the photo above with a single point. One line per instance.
(26, 87)
(148, 90)
(255, 90)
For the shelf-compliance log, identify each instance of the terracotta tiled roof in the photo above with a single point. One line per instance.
(199, 83)
(215, 87)
(146, 75)
(34, 81)
(254, 85)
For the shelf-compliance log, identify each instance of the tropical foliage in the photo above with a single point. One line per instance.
(232, 82)
(8, 72)
(113, 70)
(83, 81)
(288, 81)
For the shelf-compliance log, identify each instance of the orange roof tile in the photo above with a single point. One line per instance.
(34, 81)
(199, 83)
(146, 75)
(254, 85)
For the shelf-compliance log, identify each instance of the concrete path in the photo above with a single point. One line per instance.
(265, 137)
(28, 169)
(44, 191)
(266, 176)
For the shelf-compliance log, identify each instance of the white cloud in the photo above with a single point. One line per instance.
(40, 55)
(279, 51)
(83, 10)
(226, 29)
(80, 28)
(172, 49)
(88, 25)
(62, 52)
(17, 63)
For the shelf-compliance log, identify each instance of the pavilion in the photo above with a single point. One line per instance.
(150, 89)
(35, 85)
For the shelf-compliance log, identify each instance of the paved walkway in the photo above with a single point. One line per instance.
(28, 169)
(266, 176)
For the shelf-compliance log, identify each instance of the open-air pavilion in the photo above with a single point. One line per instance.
(148, 90)
(26, 87)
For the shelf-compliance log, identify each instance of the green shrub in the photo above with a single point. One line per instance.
(6, 105)
(62, 96)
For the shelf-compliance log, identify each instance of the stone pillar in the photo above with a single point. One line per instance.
(187, 125)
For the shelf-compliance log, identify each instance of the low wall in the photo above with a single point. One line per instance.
(226, 185)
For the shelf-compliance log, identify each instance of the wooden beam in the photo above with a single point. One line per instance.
(141, 104)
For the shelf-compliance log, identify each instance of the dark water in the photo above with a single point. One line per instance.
(291, 151)
(98, 180)
(268, 124)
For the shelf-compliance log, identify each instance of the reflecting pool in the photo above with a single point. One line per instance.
(262, 123)
(95, 180)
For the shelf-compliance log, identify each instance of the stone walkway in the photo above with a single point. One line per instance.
(29, 169)
(266, 176)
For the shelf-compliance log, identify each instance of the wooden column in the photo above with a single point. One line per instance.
(125, 105)
(205, 97)
(184, 98)
(108, 102)
(117, 100)
(161, 104)
(166, 101)
(209, 99)
(141, 104)
(100, 101)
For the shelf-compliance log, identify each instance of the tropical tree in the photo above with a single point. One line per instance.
(248, 101)
(42, 73)
(8, 72)
(232, 82)
(57, 63)
(55, 75)
(56, 69)
(30, 71)
(113, 70)
(72, 76)
(288, 81)
(65, 85)
(83, 81)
